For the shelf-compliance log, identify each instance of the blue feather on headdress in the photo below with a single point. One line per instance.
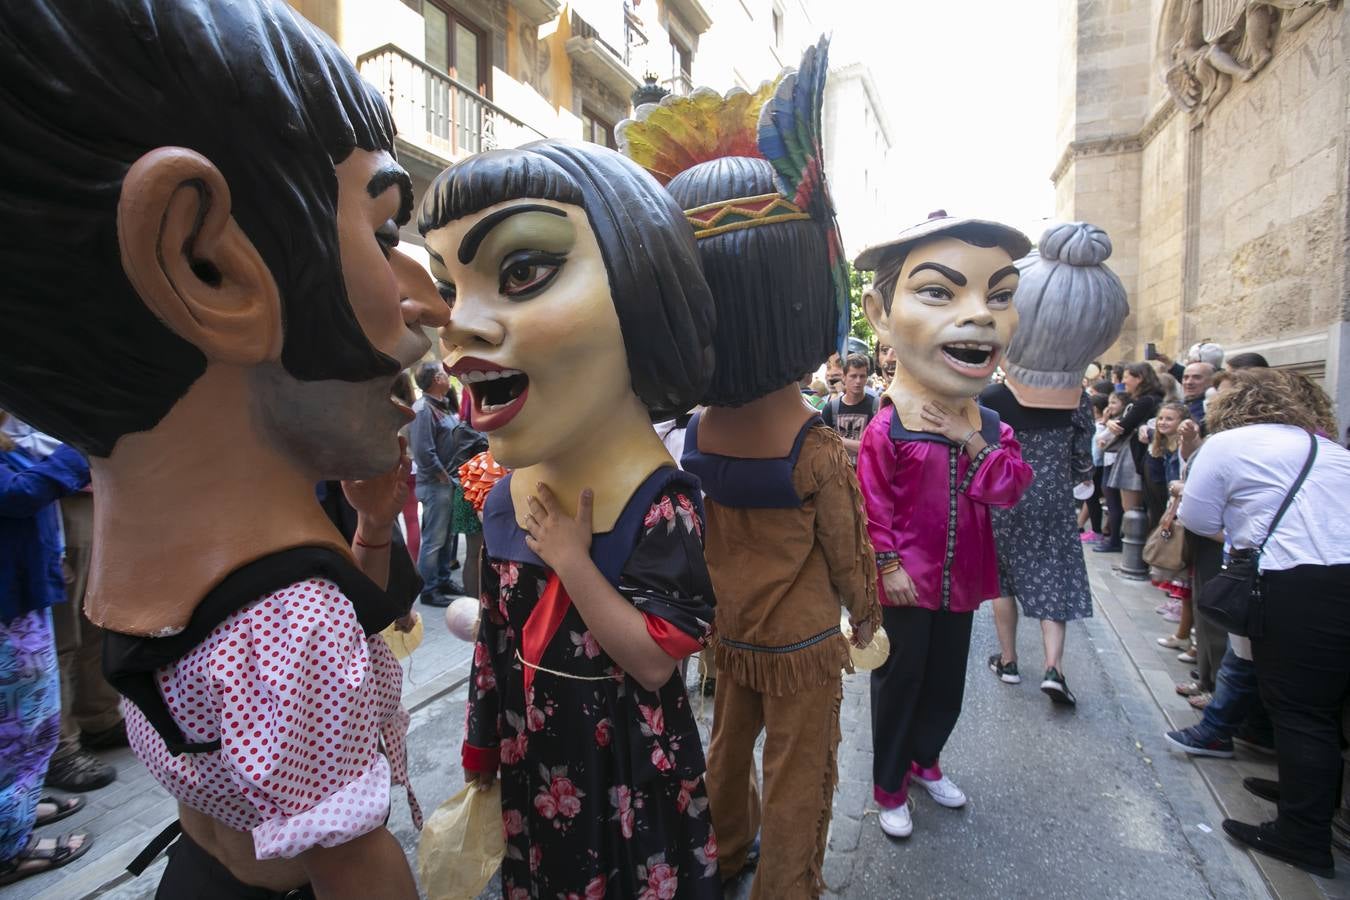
(790, 139)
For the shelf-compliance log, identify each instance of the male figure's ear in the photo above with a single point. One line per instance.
(191, 263)
(875, 310)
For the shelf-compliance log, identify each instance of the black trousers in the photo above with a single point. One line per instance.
(1115, 514)
(1303, 663)
(1211, 639)
(917, 692)
(194, 873)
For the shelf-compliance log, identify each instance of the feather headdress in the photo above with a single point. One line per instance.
(779, 122)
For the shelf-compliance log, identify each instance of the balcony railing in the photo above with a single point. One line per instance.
(681, 85)
(437, 113)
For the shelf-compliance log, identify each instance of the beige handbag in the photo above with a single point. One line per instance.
(1165, 548)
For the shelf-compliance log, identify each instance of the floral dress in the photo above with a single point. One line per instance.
(602, 780)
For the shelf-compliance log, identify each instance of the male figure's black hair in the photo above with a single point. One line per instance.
(87, 87)
(775, 309)
(665, 310)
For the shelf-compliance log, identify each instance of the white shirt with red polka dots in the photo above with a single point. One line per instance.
(301, 701)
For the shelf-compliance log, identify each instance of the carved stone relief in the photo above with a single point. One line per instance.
(1204, 44)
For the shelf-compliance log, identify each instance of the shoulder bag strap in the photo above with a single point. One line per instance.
(1289, 497)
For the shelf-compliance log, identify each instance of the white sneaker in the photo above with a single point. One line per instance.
(897, 823)
(944, 791)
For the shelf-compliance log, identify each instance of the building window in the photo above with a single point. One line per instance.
(681, 67)
(597, 131)
(777, 27)
(456, 46)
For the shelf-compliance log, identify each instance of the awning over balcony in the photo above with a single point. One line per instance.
(691, 13)
(602, 62)
(537, 12)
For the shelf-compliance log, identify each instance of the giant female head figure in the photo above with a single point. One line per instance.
(576, 295)
(1070, 307)
(747, 169)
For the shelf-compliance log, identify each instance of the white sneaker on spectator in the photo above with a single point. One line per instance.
(897, 822)
(943, 791)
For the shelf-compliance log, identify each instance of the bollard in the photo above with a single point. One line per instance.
(1133, 533)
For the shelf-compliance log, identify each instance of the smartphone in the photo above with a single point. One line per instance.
(1150, 350)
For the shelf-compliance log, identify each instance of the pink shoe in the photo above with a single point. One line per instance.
(1089, 536)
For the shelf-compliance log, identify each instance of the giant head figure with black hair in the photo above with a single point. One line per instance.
(579, 313)
(942, 297)
(203, 204)
(747, 168)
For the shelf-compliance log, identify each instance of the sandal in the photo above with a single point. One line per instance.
(65, 806)
(1201, 700)
(1189, 688)
(45, 859)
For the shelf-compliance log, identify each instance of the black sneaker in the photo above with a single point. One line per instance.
(1266, 839)
(79, 771)
(1056, 688)
(1265, 788)
(1006, 672)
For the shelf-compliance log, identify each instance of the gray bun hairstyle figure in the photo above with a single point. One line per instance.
(1070, 308)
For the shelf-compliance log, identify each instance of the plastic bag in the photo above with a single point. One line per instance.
(403, 643)
(462, 844)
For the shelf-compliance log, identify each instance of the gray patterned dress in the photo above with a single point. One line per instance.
(1040, 556)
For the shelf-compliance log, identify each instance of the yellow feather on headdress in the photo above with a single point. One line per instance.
(680, 132)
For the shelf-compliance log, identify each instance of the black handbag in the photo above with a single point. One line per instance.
(1232, 599)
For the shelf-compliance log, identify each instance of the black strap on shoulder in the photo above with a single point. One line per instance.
(1289, 497)
(130, 663)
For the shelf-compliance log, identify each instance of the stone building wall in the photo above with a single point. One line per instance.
(1228, 216)
(1273, 196)
(1157, 302)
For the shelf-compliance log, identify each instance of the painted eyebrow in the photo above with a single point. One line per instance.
(387, 177)
(951, 275)
(468, 248)
(1002, 274)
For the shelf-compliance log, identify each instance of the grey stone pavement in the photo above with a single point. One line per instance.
(1064, 803)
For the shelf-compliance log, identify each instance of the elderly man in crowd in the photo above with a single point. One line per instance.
(1196, 380)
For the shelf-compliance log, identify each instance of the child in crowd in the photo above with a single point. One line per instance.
(1091, 511)
(1110, 446)
(1165, 465)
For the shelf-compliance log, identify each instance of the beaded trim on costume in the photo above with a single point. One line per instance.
(743, 212)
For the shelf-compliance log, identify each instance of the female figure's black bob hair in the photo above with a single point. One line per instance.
(664, 306)
(86, 89)
(775, 306)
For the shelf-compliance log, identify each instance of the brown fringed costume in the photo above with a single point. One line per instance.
(781, 576)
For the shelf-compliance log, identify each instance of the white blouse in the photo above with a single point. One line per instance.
(1239, 478)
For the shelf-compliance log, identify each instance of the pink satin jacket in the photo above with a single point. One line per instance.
(928, 506)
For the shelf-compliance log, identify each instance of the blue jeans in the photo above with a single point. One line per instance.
(1235, 692)
(436, 553)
